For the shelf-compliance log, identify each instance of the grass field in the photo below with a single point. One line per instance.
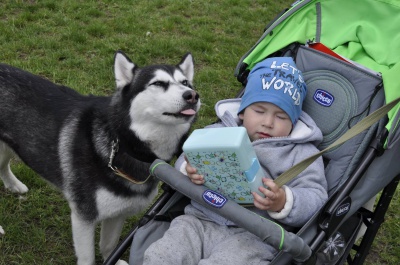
(73, 43)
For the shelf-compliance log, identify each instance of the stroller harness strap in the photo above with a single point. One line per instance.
(364, 124)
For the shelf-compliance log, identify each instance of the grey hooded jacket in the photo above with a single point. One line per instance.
(305, 194)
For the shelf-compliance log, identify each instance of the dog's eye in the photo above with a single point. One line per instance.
(160, 83)
(185, 83)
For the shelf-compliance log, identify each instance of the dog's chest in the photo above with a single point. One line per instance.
(110, 204)
(164, 150)
(163, 141)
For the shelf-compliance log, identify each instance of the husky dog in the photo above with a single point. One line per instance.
(84, 144)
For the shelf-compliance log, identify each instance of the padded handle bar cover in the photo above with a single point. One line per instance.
(269, 231)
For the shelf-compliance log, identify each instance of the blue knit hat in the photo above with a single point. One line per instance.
(277, 81)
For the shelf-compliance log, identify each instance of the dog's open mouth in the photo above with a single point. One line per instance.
(183, 113)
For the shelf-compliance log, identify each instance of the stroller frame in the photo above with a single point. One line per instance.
(373, 221)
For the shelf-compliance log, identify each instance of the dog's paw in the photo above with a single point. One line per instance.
(1, 231)
(121, 262)
(17, 187)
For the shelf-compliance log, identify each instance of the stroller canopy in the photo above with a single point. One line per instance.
(370, 37)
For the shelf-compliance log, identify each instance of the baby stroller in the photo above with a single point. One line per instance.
(349, 53)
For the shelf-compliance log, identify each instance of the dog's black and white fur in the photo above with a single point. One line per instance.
(78, 143)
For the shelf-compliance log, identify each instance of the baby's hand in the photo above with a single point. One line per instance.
(192, 174)
(275, 198)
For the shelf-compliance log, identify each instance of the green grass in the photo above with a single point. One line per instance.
(73, 43)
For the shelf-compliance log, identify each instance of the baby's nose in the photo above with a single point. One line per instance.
(268, 121)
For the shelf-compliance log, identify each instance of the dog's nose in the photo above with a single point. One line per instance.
(191, 96)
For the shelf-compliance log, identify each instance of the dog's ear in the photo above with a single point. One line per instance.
(123, 69)
(187, 66)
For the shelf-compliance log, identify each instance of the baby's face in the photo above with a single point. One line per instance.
(264, 120)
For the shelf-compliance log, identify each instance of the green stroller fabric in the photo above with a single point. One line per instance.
(370, 36)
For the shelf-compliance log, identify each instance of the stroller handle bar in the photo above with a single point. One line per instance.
(267, 230)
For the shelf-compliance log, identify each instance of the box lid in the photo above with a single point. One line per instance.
(225, 137)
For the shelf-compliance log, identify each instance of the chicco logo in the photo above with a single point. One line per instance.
(214, 198)
(343, 209)
(323, 98)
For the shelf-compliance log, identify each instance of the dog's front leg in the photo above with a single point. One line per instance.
(110, 232)
(83, 236)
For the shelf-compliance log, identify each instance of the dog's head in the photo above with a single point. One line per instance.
(158, 96)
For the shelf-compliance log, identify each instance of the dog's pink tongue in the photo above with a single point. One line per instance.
(188, 112)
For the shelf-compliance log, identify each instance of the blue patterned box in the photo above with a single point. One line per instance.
(227, 160)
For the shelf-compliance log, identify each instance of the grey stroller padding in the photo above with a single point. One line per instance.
(356, 91)
(345, 107)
